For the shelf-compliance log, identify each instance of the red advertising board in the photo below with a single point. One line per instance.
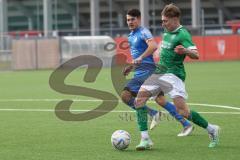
(211, 48)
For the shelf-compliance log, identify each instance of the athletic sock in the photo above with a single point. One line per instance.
(150, 111)
(144, 134)
(198, 119)
(142, 119)
(131, 103)
(172, 110)
(210, 128)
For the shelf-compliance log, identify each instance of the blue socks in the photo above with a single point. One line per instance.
(151, 111)
(131, 103)
(172, 110)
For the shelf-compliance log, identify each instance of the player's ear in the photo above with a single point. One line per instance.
(176, 19)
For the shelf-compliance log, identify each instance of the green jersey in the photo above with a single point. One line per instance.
(171, 62)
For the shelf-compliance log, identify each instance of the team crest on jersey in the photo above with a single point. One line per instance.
(173, 36)
(166, 45)
(135, 40)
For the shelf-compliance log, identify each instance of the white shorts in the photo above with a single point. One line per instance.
(167, 83)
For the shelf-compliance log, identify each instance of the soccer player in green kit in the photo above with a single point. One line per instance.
(142, 46)
(170, 74)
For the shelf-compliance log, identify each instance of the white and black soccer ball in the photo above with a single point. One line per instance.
(120, 139)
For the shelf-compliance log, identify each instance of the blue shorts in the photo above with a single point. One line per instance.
(135, 83)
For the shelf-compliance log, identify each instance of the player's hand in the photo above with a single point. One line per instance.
(127, 70)
(138, 60)
(180, 49)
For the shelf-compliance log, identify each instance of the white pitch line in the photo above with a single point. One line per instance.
(97, 100)
(50, 100)
(213, 105)
(85, 110)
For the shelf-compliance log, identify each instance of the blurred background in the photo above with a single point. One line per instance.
(39, 34)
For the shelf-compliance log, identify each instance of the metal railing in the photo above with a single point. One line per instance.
(5, 52)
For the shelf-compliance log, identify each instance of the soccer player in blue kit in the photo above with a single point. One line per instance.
(142, 47)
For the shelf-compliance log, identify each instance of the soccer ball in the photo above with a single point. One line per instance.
(120, 139)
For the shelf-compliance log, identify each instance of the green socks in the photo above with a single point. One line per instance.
(198, 119)
(142, 118)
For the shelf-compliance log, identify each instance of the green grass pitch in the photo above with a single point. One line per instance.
(29, 129)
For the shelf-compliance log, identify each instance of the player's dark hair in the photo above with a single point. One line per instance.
(171, 11)
(134, 13)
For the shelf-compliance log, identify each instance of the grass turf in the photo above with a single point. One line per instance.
(41, 135)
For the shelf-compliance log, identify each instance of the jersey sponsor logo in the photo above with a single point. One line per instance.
(166, 45)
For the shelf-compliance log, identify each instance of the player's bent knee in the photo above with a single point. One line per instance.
(184, 113)
(139, 102)
(187, 114)
(142, 97)
(126, 96)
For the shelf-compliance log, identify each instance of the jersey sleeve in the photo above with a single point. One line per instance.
(146, 34)
(186, 40)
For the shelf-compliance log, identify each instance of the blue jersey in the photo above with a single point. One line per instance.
(137, 41)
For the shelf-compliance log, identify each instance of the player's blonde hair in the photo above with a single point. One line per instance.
(171, 11)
